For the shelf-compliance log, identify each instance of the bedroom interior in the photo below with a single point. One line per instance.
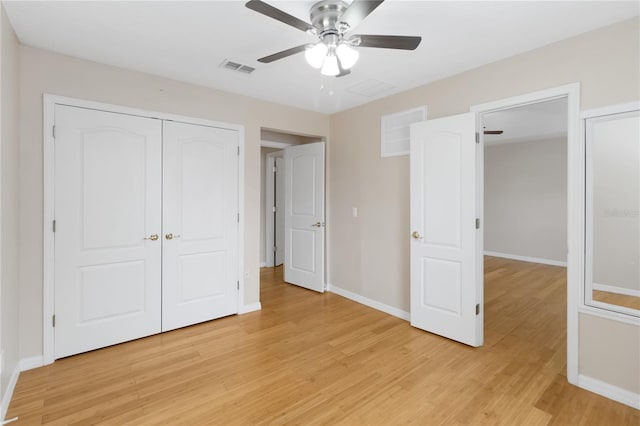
(559, 342)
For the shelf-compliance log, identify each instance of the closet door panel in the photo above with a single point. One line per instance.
(107, 205)
(200, 224)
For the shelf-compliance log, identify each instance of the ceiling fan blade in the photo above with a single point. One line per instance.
(493, 132)
(388, 41)
(358, 10)
(283, 54)
(277, 14)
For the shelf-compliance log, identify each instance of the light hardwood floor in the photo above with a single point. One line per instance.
(632, 302)
(310, 358)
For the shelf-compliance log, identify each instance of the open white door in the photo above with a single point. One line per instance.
(304, 216)
(446, 282)
(200, 224)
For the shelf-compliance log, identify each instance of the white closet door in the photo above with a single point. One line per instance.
(200, 224)
(108, 204)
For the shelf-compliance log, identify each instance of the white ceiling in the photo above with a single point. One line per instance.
(542, 120)
(188, 41)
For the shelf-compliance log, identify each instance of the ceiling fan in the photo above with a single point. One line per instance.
(331, 22)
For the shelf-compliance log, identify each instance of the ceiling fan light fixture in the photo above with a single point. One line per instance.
(315, 55)
(348, 56)
(334, 54)
(330, 66)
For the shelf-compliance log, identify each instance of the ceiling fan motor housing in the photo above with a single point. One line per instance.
(325, 17)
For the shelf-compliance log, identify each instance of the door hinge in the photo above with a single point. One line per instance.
(238, 150)
(477, 309)
(275, 249)
(238, 285)
(53, 132)
(477, 223)
(477, 137)
(53, 320)
(54, 226)
(275, 169)
(273, 209)
(238, 217)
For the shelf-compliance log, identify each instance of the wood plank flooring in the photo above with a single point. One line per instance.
(310, 358)
(623, 300)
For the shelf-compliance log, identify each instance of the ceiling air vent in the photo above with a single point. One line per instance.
(370, 88)
(235, 66)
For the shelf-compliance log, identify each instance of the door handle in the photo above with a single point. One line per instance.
(152, 237)
(416, 235)
(170, 236)
(318, 224)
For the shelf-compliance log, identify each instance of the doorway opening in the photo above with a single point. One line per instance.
(567, 98)
(292, 173)
(272, 200)
(525, 229)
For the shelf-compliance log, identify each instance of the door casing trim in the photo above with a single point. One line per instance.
(575, 202)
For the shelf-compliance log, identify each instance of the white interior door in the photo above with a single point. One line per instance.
(107, 212)
(279, 214)
(446, 280)
(304, 216)
(200, 224)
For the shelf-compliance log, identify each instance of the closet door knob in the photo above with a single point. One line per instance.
(152, 237)
(170, 236)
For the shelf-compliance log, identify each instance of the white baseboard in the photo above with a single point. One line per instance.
(6, 396)
(250, 308)
(615, 289)
(607, 390)
(31, 363)
(263, 264)
(526, 258)
(369, 302)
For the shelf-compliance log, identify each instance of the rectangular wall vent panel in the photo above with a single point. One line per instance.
(395, 133)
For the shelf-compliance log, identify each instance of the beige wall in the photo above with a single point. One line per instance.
(369, 255)
(525, 199)
(604, 357)
(46, 72)
(9, 201)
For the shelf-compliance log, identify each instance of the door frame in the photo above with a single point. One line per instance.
(269, 231)
(575, 201)
(49, 102)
